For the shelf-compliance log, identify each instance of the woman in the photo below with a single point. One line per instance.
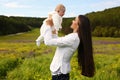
(80, 39)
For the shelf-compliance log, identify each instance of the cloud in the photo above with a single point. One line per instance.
(106, 4)
(15, 5)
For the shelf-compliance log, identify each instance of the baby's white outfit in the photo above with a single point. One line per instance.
(57, 20)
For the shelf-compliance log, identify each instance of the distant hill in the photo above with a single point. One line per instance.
(12, 24)
(106, 23)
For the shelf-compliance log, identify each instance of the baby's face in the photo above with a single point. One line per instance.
(61, 13)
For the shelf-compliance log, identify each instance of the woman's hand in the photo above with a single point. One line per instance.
(49, 22)
(54, 31)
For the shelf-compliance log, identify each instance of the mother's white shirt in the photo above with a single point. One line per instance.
(66, 46)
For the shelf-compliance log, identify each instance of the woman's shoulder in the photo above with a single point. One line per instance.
(73, 36)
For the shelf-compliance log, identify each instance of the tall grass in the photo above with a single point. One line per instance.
(21, 59)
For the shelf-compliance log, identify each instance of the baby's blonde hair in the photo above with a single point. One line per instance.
(60, 7)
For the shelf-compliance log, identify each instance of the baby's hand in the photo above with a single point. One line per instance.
(49, 22)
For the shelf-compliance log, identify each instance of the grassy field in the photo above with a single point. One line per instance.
(21, 59)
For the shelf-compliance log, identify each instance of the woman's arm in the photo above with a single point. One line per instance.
(61, 41)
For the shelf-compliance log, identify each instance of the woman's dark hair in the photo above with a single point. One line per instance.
(85, 51)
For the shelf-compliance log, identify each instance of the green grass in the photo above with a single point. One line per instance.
(21, 59)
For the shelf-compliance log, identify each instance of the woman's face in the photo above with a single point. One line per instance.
(75, 23)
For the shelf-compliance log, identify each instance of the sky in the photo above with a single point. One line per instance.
(41, 8)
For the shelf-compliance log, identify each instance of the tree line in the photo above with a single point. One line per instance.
(11, 25)
(103, 23)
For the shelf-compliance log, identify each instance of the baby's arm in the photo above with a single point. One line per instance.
(57, 21)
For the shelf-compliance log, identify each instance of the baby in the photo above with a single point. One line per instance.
(56, 17)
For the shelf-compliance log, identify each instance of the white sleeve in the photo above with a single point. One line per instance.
(54, 36)
(57, 21)
(60, 41)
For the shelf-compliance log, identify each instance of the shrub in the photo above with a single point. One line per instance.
(7, 65)
(106, 31)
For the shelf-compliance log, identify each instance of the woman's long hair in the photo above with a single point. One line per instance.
(85, 52)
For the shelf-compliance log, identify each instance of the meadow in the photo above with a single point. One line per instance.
(21, 59)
